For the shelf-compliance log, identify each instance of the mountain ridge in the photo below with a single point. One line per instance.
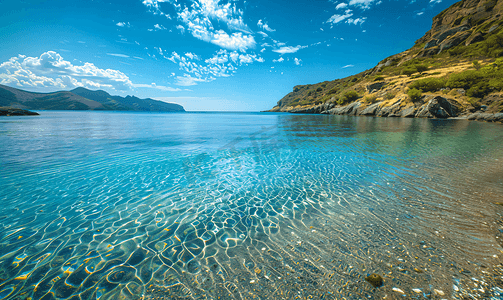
(460, 60)
(81, 99)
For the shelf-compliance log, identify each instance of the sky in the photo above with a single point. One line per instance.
(207, 55)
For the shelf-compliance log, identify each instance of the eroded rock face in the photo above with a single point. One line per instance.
(477, 37)
(455, 25)
(371, 88)
(350, 109)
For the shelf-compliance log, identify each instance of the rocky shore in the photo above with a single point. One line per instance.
(428, 107)
(12, 111)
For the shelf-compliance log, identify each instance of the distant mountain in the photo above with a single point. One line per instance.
(80, 99)
(457, 63)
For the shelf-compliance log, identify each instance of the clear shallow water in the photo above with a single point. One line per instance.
(248, 206)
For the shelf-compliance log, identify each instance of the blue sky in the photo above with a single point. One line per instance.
(203, 54)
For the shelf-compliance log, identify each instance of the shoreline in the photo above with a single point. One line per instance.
(430, 107)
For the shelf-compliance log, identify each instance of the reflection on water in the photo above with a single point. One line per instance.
(99, 205)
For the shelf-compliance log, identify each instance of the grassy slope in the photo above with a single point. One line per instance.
(445, 65)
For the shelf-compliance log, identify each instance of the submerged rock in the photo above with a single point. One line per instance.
(375, 280)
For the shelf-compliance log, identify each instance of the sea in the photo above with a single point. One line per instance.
(226, 205)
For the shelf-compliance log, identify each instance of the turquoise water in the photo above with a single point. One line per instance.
(106, 205)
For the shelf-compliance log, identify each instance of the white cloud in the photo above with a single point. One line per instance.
(263, 34)
(181, 28)
(123, 24)
(236, 41)
(339, 18)
(297, 61)
(364, 4)
(264, 26)
(50, 70)
(341, 6)
(223, 63)
(118, 55)
(153, 6)
(356, 21)
(288, 49)
(420, 13)
(347, 66)
(192, 56)
(435, 1)
(159, 27)
(281, 59)
(203, 17)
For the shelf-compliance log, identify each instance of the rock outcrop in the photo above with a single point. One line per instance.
(433, 107)
(457, 24)
(12, 111)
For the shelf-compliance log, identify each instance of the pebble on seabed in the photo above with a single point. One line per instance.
(375, 280)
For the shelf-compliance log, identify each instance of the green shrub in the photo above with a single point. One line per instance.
(428, 84)
(319, 89)
(390, 96)
(421, 68)
(409, 71)
(479, 90)
(464, 79)
(414, 94)
(332, 91)
(379, 78)
(371, 99)
(349, 96)
(476, 64)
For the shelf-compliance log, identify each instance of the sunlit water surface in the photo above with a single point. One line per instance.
(100, 205)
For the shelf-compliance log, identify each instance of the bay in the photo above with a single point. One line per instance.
(111, 205)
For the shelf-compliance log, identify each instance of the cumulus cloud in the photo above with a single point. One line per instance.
(236, 41)
(297, 61)
(223, 63)
(50, 70)
(264, 26)
(202, 18)
(341, 6)
(281, 59)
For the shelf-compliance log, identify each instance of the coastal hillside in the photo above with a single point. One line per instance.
(80, 99)
(454, 70)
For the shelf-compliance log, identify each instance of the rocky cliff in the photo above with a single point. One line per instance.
(454, 70)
